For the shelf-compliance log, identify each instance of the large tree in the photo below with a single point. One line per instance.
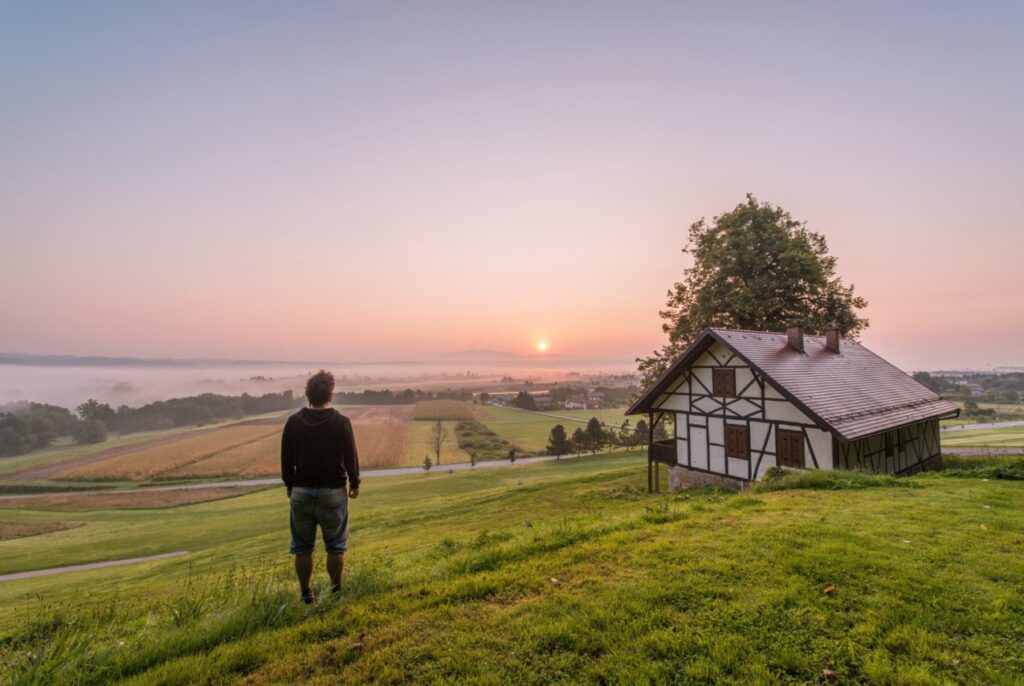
(754, 267)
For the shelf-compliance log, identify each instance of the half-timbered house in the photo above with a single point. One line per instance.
(741, 402)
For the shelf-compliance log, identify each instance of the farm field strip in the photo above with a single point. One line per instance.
(130, 500)
(1007, 436)
(12, 530)
(152, 462)
(448, 410)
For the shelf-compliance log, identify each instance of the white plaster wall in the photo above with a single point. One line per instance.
(822, 442)
(698, 447)
(738, 467)
(680, 403)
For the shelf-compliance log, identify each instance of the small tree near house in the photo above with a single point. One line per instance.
(427, 464)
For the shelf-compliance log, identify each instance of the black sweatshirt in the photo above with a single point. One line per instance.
(318, 450)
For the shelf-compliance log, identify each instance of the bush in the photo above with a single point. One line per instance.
(1010, 469)
(15, 437)
(90, 431)
(782, 479)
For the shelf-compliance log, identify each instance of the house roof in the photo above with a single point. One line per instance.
(853, 394)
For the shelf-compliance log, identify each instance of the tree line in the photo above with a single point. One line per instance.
(37, 425)
(596, 436)
(406, 397)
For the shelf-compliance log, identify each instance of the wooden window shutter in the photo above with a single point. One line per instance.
(723, 383)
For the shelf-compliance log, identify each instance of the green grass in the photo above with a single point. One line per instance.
(530, 430)
(1005, 437)
(561, 572)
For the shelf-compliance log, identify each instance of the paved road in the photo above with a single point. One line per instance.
(244, 483)
(92, 565)
(990, 425)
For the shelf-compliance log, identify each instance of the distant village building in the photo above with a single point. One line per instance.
(745, 401)
(576, 402)
(543, 401)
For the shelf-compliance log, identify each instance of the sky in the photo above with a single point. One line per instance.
(373, 181)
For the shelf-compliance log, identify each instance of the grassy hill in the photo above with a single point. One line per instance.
(551, 573)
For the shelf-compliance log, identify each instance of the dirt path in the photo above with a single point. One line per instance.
(51, 469)
(92, 565)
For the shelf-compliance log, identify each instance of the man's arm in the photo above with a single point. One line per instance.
(287, 457)
(350, 456)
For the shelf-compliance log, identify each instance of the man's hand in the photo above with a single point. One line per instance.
(353, 493)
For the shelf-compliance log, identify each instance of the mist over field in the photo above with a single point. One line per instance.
(68, 381)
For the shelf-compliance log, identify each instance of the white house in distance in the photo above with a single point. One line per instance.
(745, 401)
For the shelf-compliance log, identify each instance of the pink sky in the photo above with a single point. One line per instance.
(360, 184)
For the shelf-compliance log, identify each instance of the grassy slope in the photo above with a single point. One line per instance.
(580, 578)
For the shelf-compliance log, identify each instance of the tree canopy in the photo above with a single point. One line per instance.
(754, 267)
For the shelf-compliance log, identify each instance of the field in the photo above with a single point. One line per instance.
(1000, 437)
(556, 572)
(166, 458)
(9, 530)
(115, 500)
(444, 409)
(530, 430)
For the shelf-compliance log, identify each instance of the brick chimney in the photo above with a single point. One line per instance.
(832, 338)
(795, 336)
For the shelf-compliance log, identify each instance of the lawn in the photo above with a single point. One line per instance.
(1004, 437)
(550, 573)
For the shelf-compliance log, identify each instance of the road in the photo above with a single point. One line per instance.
(92, 565)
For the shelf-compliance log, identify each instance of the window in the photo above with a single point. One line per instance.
(737, 442)
(888, 444)
(723, 383)
(789, 449)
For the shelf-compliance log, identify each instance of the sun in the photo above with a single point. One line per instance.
(542, 346)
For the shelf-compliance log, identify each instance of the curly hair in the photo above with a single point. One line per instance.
(320, 388)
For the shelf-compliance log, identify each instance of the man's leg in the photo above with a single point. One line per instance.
(335, 563)
(304, 570)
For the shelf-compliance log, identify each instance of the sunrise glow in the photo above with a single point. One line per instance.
(542, 346)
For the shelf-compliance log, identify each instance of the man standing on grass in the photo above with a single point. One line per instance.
(318, 456)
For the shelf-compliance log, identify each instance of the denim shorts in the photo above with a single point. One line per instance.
(326, 507)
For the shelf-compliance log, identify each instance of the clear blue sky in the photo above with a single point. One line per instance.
(314, 180)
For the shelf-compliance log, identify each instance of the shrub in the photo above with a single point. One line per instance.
(782, 479)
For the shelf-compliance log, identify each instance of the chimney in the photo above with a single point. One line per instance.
(832, 338)
(795, 336)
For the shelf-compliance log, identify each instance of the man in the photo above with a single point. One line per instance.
(318, 456)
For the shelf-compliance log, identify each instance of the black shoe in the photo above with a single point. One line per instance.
(307, 596)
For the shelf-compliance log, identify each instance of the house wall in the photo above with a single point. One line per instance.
(700, 420)
(910, 448)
